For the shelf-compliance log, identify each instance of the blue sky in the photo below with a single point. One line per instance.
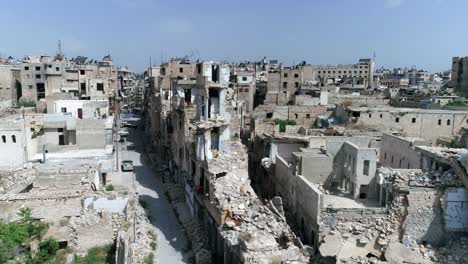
(425, 33)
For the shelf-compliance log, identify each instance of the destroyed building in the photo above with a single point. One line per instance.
(339, 201)
(67, 194)
(79, 78)
(10, 85)
(205, 156)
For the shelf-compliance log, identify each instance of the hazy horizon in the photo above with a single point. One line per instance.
(402, 33)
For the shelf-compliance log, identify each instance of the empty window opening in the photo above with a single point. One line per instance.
(296, 116)
(213, 103)
(269, 115)
(57, 69)
(82, 72)
(397, 120)
(221, 174)
(380, 115)
(285, 84)
(26, 68)
(308, 116)
(413, 120)
(385, 156)
(181, 70)
(244, 78)
(61, 140)
(296, 75)
(363, 192)
(38, 68)
(38, 76)
(40, 91)
(13, 138)
(215, 73)
(4, 139)
(83, 88)
(366, 167)
(448, 122)
(285, 75)
(188, 96)
(370, 115)
(100, 86)
(440, 122)
(296, 84)
(215, 139)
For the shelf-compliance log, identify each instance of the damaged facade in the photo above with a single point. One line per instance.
(203, 121)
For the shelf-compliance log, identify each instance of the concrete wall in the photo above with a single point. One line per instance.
(315, 167)
(90, 133)
(91, 109)
(355, 159)
(399, 152)
(426, 124)
(307, 208)
(12, 154)
(285, 150)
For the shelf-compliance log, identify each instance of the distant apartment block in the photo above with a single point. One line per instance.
(460, 74)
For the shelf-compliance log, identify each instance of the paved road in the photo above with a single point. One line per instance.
(172, 240)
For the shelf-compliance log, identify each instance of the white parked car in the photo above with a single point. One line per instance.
(123, 133)
(127, 165)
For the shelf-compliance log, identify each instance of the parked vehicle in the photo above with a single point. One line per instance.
(127, 165)
(123, 133)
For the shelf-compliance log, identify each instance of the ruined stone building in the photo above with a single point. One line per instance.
(424, 123)
(400, 152)
(204, 153)
(287, 82)
(47, 76)
(10, 85)
(459, 78)
(340, 202)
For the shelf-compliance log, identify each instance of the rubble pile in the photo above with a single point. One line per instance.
(260, 230)
(420, 178)
(456, 252)
(194, 231)
(20, 176)
(145, 234)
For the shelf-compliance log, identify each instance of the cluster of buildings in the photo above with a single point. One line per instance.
(58, 132)
(325, 153)
(300, 164)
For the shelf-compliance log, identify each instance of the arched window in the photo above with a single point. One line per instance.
(13, 138)
(3, 139)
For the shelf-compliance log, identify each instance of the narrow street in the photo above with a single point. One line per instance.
(172, 241)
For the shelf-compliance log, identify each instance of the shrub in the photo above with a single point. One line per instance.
(47, 250)
(26, 103)
(283, 123)
(149, 259)
(109, 187)
(153, 245)
(458, 103)
(97, 255)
